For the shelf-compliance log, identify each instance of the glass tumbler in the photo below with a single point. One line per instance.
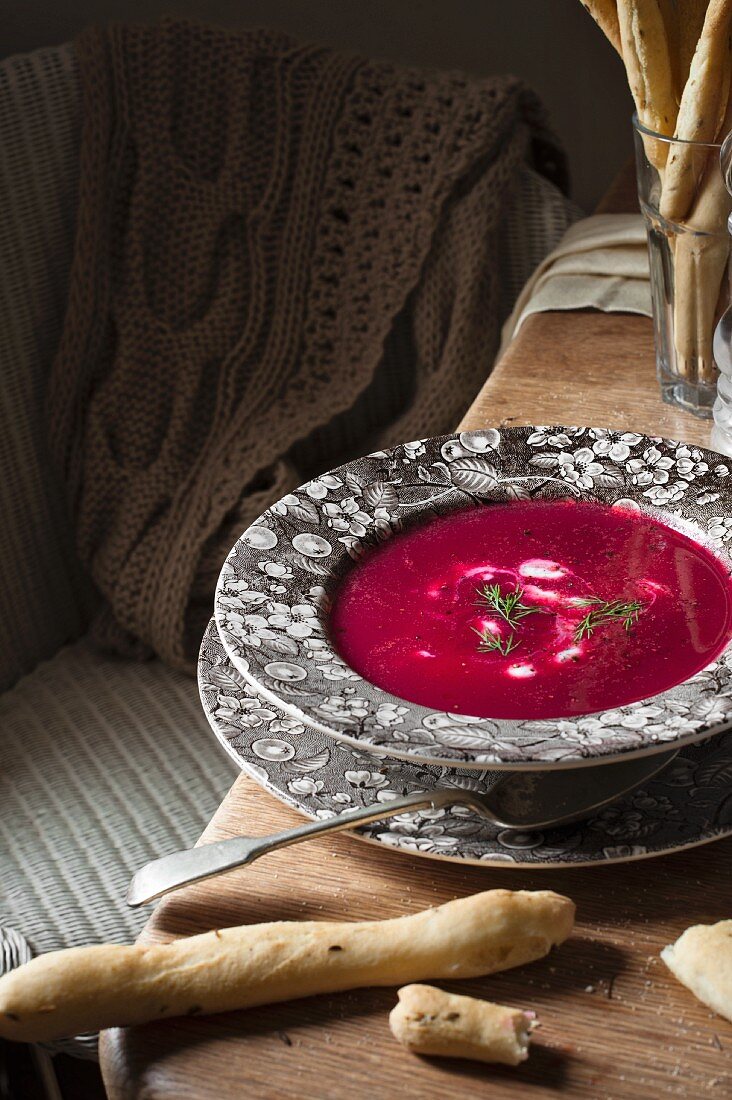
(685, 205)
(722, 430)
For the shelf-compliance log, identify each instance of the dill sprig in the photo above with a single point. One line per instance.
(604, 612)
(490, 642)
(510, 607)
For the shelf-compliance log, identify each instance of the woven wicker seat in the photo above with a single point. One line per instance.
(104, 763)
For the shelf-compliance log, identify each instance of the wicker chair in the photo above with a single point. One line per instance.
(104, 763)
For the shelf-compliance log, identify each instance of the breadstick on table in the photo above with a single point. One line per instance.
(701, 959)
(430, 1021)
(88, 988)
(703, 104)
(650, 75)
(605, 14)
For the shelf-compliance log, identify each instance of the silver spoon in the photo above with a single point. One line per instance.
(517, 800)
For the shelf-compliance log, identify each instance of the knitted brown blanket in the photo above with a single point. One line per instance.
(284, 255)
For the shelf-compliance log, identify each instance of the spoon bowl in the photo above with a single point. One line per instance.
(545, 800)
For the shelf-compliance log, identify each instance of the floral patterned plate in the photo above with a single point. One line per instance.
(688, 804)
(272, 599)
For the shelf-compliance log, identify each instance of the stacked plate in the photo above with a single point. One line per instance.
(303, 723)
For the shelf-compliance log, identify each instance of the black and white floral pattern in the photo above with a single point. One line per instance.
(274, 591)
(690, 803)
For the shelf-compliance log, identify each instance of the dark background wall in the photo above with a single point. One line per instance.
(553, 44)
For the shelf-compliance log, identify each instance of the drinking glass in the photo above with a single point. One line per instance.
(722, 430)
(688, 248)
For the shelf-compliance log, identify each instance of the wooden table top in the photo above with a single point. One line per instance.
(615, 1024)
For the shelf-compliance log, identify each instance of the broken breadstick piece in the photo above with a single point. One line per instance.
(701, 959)
(88, 988)
(429, 1021)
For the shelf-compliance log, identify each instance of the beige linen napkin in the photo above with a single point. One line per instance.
(600, 263)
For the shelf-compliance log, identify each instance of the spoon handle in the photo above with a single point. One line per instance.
(181, 868)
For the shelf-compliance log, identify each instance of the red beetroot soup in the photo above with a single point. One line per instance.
(533, 610)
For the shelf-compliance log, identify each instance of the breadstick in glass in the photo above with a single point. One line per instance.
(605, 14)
(703, 104)
(690, 15)
(650, 74)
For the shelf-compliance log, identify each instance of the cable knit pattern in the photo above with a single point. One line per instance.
(266, 234)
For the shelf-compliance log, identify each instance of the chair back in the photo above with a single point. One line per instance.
(44, 597)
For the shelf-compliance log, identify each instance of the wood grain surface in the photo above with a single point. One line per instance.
(615, 1024)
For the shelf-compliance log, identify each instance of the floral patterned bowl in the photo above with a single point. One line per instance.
(688, 804)
(273, 595)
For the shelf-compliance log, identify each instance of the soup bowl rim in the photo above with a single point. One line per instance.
(275, 588)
